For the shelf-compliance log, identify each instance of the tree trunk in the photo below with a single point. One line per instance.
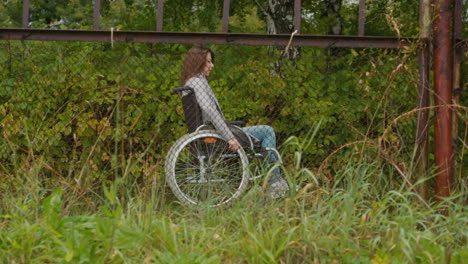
(332, 11)
(279, 19)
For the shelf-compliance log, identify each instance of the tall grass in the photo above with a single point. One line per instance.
(366, 215)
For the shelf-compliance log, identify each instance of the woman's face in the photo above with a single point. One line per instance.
(208, 65)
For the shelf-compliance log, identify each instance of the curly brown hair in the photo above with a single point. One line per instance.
(194, 62)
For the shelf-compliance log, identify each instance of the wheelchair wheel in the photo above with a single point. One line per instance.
(201, 170)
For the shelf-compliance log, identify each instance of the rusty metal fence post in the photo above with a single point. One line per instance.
(457, 55)
(25, 19)
(297, 16)
(443, 74)
(159, 16)
(362, 17)
(226, 6)
(97, 14)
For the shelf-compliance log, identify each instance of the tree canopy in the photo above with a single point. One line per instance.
(205, 15)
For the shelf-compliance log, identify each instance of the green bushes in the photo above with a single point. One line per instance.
(102, 110)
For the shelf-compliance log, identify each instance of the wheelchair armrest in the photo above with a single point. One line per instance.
(180, 89)
(236, 122)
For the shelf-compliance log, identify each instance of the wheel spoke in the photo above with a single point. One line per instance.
(205, 172)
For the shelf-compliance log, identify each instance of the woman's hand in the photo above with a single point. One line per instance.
(233, 144)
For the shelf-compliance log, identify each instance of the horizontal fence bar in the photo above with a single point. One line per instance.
(204, 38)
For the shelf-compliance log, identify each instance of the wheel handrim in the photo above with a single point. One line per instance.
(208, 173)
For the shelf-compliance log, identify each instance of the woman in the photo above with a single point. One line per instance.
(198, 64)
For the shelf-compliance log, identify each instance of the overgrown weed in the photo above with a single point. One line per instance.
(360, 218)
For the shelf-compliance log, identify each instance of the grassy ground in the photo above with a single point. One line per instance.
(358, 219)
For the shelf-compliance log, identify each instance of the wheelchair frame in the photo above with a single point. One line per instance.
(199, 167)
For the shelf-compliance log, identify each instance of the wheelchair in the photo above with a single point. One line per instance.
(199, 167)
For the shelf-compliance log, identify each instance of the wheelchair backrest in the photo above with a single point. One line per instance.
(192, 111)
(194, 119)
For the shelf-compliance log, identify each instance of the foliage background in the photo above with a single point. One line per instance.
(80, 116)
(96, 106)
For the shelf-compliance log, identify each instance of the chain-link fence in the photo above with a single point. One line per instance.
(96, 111)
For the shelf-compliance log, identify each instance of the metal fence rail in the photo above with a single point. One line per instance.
(205, 38)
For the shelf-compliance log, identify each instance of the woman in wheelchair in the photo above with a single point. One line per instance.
(197, 66)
